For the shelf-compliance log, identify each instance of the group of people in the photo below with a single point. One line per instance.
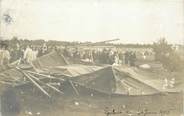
(28, 53)
(101, 56)
(130, 58)
(20, 53)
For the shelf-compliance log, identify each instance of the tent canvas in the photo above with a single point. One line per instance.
(49, 60)
(111, 80)
(92, 95)
(73, 70)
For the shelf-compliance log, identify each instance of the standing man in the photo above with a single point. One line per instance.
(28, 55)
(5, 55)
(16, 54)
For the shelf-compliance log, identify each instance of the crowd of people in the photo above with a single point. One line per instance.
(102, 56)
(28, 53)
(25, 54)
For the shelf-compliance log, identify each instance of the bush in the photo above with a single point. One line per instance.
(167, 56)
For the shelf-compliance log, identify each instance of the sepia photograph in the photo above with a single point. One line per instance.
(91, 57)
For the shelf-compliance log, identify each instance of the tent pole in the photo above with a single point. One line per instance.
(52, 87)
(75, 89)
(34, 82)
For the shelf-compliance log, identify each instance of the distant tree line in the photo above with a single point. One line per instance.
(23, 42)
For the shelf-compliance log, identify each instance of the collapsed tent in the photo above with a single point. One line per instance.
(73, 70)
(112, 80)
(65, 95)
(91, 87)
(55, 63)
(49, 60)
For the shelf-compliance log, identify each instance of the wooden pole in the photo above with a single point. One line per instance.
(75, 89)
(43, 75)
(34, 82)
(52, 87)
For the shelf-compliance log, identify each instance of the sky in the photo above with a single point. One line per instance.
(132, 21)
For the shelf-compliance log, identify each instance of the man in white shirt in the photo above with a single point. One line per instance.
(28, 55)
(4, 55)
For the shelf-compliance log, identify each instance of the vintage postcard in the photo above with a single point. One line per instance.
(91, 57)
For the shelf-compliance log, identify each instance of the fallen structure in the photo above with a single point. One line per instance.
(111, 80)
(96, 91)
(49, 60)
